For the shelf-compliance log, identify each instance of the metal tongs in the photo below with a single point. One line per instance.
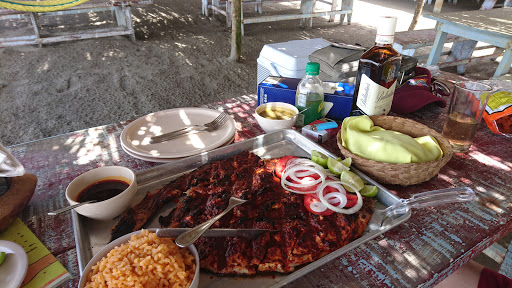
(421, 200)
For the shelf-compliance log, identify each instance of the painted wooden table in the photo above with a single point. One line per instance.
(490, 26)
(420, 252)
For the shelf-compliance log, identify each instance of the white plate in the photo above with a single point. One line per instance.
(135, 137)
(161, 160)
(124, 239)
(14, 267)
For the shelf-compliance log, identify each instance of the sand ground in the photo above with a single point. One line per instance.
(180, 58)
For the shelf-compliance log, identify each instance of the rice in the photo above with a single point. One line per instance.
(145, 261)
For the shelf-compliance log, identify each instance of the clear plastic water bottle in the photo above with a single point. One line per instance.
(309, 98)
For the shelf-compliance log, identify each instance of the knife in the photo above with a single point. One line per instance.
(214, 232)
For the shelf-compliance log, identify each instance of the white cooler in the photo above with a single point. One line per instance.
(287, 59)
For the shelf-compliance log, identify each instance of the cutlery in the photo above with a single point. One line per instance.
(214, 232)
(421, 200)
(70, 207)
(188, 238)
(208, 127)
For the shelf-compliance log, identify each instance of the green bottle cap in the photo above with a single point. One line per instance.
(312, 68)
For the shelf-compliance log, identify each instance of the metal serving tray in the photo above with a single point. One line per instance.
(92, 235)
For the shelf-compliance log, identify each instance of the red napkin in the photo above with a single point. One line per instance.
(416, 93)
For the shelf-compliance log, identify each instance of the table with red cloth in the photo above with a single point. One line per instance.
(433, 243)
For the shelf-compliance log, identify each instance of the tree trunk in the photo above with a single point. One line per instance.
(417, 14)
(236, 31)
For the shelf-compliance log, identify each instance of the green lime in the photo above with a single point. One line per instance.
(347, 162)
(369, 191)
(2, 257)
(336, 166)
(319, 158)
(351, 181)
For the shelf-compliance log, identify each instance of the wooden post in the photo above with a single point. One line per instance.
(417, 14)
(236, 31)
(437, 6)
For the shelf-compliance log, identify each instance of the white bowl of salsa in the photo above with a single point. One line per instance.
(113, 187)
(276, 115)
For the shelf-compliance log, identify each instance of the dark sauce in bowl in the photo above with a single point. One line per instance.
(102, 190)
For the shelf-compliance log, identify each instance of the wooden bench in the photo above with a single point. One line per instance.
(306, 13)
(35, 35)
(407, 43)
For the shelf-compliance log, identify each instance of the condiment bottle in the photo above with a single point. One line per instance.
(309, 98)
(377, 73)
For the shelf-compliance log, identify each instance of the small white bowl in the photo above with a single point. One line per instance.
(124, 239)
(110, 208)
(270, 125)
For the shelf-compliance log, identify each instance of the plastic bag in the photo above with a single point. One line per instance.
(9, 166)
(498, 113)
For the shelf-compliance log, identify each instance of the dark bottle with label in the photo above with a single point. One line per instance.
(377, 73)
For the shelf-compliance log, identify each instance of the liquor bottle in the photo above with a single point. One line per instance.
(377, 73)
(309, 98)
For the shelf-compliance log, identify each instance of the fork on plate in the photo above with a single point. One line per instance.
(211, 126)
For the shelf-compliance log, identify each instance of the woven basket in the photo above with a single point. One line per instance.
(407, 173)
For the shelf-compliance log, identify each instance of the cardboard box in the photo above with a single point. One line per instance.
(322, 135)
(337, 96)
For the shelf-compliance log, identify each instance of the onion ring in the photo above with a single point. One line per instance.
(351, 210)
(291, 173)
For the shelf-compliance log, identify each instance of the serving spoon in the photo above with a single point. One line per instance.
(188, 238)
(71, 207)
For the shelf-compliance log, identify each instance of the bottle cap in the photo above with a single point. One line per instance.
(312, 68)
(386, 29)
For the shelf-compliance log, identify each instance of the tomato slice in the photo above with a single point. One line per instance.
(351, 200)
(312, 198)
(281, 165)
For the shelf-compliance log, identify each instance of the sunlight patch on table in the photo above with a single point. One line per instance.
(496, 163)
(112, 140)
(414, 261)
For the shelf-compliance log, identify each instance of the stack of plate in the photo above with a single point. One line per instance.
(136, 136)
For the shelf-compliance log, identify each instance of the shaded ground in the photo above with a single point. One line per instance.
(179, 59)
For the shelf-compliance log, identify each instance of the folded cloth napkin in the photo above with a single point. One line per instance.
(362, 138)
(338, 62)
(9, 166)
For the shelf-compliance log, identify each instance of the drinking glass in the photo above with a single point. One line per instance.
(467, 104)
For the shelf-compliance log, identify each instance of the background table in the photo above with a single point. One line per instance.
(422, 251)
(490, 26)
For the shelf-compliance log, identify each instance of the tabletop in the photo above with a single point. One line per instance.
(496, 21)
(420, 252)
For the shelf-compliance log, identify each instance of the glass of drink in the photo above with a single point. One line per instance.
(467, 104)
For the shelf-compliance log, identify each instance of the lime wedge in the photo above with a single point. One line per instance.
(319, 158)
(351, 181)
(336, 166)
(2, 257)
(347, 162)
(369, 191)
